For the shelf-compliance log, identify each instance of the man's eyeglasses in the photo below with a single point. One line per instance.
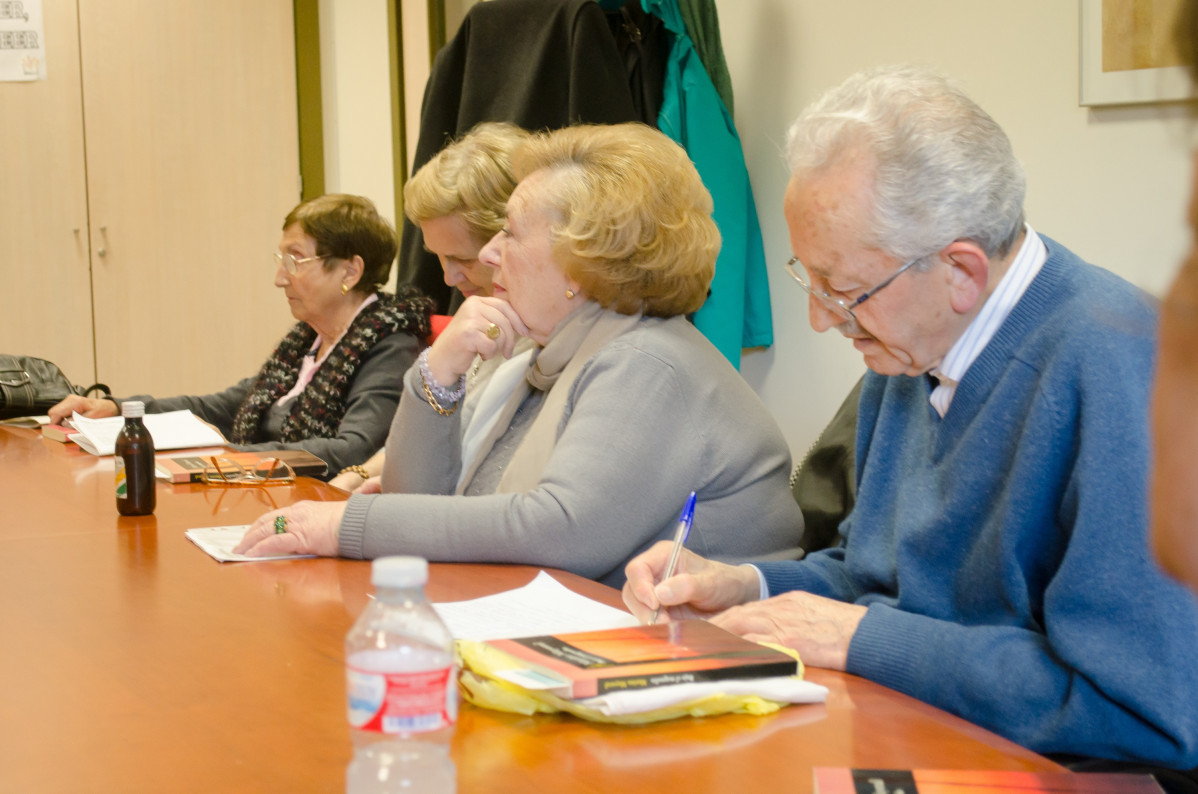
(222, 471)
(291, 264)
(840, 306)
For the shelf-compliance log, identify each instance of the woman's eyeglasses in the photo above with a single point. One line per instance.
(291, 264)
(271, 471)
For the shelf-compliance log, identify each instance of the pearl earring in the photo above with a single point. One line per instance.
(570, 294)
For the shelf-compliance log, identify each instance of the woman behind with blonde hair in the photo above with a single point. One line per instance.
(457, 200)
(580, 453)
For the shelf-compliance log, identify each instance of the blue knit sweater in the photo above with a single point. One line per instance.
(1002, 549)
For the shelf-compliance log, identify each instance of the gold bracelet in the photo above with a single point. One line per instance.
(356, 469)
(428, 395)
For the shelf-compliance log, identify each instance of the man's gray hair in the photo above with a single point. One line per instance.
(944, 169)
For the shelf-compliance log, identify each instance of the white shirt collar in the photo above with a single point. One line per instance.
(1024, 267)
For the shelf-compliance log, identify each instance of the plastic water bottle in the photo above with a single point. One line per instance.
(134, 453)
(401, 686)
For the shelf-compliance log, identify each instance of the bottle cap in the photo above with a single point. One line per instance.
(133, 408)
(399, 572)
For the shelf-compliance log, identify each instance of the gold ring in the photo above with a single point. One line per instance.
(492, 331)
(280, 524)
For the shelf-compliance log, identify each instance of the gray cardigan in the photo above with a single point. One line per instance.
(369, 407)
(656, 413)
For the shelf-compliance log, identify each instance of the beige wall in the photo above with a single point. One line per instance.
(1109, 183)
(356, 97)
(356, 92)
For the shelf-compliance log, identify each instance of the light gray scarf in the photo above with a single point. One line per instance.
(579, 337)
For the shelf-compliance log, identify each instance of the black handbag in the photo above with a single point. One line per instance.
(31, 386)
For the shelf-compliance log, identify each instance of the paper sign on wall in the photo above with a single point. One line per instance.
(22, 41)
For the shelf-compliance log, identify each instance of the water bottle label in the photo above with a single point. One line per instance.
(122, 485)
(401, 702)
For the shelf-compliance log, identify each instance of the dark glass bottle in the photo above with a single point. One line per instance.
(135, 491)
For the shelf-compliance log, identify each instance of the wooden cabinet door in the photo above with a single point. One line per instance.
(45, 285)
(192, 160)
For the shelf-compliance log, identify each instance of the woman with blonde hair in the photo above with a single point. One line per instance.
(457, 200)
(580, 453)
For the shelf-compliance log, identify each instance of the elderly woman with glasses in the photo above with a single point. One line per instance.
(580, 453)
(331, 385)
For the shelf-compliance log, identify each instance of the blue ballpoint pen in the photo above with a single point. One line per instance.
(684, 528)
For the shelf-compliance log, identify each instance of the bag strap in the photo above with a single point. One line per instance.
(105, 393)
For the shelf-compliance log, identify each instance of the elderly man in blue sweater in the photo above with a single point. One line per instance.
(995, 564)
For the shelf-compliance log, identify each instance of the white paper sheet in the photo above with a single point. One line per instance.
(543, 606)
(782, 690)
(219, 542)
(171, 430)
(32, 422)
(22, 41)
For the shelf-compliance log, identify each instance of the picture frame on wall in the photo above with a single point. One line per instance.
(1126, 52)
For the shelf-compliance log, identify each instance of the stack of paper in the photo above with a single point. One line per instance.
(543, 606)
(171, 430)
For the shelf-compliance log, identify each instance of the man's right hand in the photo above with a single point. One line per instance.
(91, 407)
(699, 587)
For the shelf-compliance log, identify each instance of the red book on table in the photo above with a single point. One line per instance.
(843, 780)
(589, 663)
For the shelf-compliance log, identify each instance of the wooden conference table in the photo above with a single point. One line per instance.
(132, 661)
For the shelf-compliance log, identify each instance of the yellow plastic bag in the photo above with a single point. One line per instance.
(479, 685)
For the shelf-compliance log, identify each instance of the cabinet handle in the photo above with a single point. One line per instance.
(102, 251)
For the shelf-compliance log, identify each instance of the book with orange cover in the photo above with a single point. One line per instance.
(843, 780)
(590, 663)
(190, 468)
